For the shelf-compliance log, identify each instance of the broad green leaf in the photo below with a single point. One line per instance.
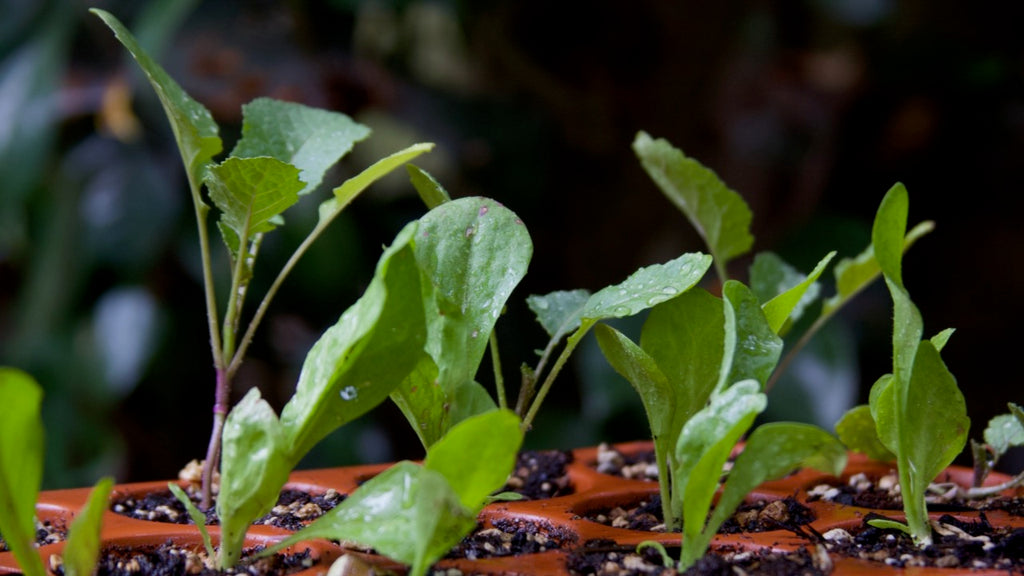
(646, 288)
(1003, 432)
(685, 336)
(854, 274)
(559, 313)
(82, 549)
(251, 193)
(779, 308)
(857, 431)
(21, 465)
(493, 439)
(752, 347)
(472, 252)
(309, 139)
(718, 213)
(656, 395)
(924, 422)
(254, 468)
(429, 189)
(430, 411)
(349, 189)
(772, 451)
(642, 372)
(358, 362)
(407, 513)
(703, 448)
(770, 276)
(193, 126)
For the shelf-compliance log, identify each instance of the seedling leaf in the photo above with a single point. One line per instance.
(407, 513)
(685, 336)
(193, 125)
(358, 362)
(779, 308)
(253, 470)
(646, 288)
(493, 439)
(772, 451)
(1005, 431)
(718, 213)
(429, 189)
(197, 516)
(752, 347)
(344, 194)
(310, 139)
(858, 432)
(82, 549)
(560, 312)
(472, 252)
(703, 448)
(251, 193)
(21, 465)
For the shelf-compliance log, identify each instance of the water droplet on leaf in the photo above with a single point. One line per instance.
(349, 393)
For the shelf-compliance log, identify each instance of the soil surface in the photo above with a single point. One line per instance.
(171, 560)
(294, 508)
(46, 533)
(509, 537)
(606, 558)
(641, 465)
(760, 516)
(957, 544)
(541, 474)
(883, 493)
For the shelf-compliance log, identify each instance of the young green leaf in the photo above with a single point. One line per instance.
(429, 189)
(858, 432)
(344, 194)
(752, 347)
(358, 362)
(686, 337)
(772, 451)
(197, 516)
(309, 139)
(251, 193)
(254, 468)
(854, 274)
(193, 125)
(718, 213)
(781, 307)
(408, 513)
(493, 439)
(1006, 430)
(703, 448)
(924, 422)
(645, 288)
(472, 253)
(21, 465)
(560, 312)
(82, 549)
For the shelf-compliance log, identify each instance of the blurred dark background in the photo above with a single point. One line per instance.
(809, 109)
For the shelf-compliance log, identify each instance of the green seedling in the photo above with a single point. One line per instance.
(473, 254)
(1003, 432)
(917, 413)
(282, 156)
(21, 470)
(414, 514)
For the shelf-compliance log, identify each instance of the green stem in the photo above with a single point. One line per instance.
(243, 344)
(530, 380)
(570, 345)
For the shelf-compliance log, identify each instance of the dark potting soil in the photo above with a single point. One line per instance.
(511, 537)
(959, 544)
(294, 508)
(760, 516)
(541, 474)
(883, 493)
(47, 532)
(169, 559)
(607, 558)
(641, 465)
